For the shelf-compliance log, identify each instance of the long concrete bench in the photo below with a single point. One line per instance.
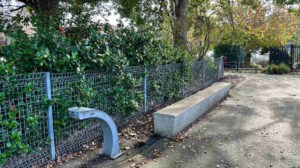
(171, 120)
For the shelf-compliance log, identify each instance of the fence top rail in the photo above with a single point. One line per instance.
(129, 69)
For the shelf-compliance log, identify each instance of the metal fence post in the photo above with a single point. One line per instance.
(203, 74)
(50, 115)
(292, 56)
(145, 90)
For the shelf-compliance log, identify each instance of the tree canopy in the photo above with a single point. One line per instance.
(192, 25)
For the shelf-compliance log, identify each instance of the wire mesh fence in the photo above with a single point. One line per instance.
(24, 128)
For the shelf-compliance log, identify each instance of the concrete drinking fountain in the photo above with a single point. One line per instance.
(111, 147)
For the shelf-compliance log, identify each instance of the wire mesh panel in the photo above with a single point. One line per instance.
(296, 56)
(23, 105)
(23, 115)
(65, 92)
(164, 83)
(194, 79)
(109, 92)
(210, 72)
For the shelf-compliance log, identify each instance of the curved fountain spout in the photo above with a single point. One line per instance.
(111, 147)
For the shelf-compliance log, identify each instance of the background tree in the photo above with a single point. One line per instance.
(178, 18)
(292, 5)
(255, 26)
(175, 11)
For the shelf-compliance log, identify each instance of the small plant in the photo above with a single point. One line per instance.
(272, 69)
(278, 69)
(284, 69)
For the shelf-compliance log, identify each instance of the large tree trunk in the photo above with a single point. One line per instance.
(48, 7)
(45, 7)
(179, 13)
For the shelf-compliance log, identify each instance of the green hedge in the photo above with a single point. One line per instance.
(231, 52)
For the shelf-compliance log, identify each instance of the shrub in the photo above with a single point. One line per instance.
(231, 52)
(260, 67)
(272, 69)
(275, 69)
(284, 69)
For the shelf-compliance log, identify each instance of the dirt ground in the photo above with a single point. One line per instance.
(257, 126)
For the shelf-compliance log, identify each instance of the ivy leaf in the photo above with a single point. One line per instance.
(28, 88)
(2, 96)
(3, 158)
(8, 145)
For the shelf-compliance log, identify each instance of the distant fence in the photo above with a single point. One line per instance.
(289, 55)
(30, 111)
(239, 66)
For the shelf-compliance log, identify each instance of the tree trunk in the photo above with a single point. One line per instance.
(45, 7)
(179, 13)
(248, 58)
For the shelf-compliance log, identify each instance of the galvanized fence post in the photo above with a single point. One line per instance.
(50, 115)
(145, 89)
(182, 89)
(292, 57)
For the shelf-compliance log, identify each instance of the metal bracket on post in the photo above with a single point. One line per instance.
(50, 115)
(111, 147)
(145, 90)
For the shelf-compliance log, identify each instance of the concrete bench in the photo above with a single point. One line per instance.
(173, 119)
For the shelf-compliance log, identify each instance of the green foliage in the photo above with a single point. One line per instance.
(209, 62)
(15, 145)
(272, 69)
(81, 48)
(278, 69)
(16, 141)
(231, 52)
(284, 69)
(168, 87)
(112, 50)
(125, 98)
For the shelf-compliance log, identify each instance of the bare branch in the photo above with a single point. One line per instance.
(18, 8)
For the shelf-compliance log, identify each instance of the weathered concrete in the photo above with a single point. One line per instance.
(258, 126)
(173, 119)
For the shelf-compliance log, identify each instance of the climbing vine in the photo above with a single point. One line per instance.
(15, 140)
(109, 53)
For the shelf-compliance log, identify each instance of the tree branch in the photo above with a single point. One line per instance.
(18, 8)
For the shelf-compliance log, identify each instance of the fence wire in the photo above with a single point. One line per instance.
(26, 95)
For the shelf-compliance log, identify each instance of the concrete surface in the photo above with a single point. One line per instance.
(172, 119)
(258, 126)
